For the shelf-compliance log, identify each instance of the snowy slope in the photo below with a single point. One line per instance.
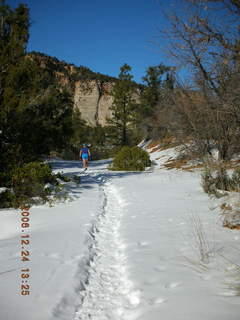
(124, 248)
(163, 261)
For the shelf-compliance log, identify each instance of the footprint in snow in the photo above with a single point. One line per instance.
(205, 277)
(229, 293)
(73, 260)
(160, 269)
(182, 223)
(134, 298)
(142, 244)
(157, 301)
(172, 285)
(53, 255)
(183, 249)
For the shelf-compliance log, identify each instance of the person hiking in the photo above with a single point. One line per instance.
(84, 155)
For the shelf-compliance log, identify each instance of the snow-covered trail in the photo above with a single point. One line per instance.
(73, 246)
(151, 214)
(122, 250)
(146, 264)
(58, 252)
(109, 292)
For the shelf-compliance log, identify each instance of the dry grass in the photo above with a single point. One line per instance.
(186, 165)
(191, 168)
(165, 147)
(163, 144)
(175, 163)
(153, 144)
(227, 165)
(234, 282)
(160, 157)
(230, 223)
(225, 207)
(182, 164)
(231, 213)
(157, 148)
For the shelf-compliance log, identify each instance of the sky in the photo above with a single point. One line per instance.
(99, 34)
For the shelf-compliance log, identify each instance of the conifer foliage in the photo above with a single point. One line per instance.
(35, 114)
(123, 107)
(157, 79)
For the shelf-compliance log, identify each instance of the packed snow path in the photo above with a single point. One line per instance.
(109, 293)
(123, 249)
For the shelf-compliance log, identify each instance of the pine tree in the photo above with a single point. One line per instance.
(14, 26)
(157, 78)
(123, 107)
(35, 115)
(157, 83)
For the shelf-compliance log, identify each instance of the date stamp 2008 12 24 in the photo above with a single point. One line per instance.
(25, 253)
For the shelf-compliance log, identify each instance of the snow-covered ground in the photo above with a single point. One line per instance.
(128, 245)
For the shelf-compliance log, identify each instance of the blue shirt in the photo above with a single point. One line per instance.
(84, 150)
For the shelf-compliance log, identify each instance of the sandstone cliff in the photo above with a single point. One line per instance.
(91, 91)
(93, 102)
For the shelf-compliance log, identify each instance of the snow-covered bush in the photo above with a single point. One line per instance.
(131, 159)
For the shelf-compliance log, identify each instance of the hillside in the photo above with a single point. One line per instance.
(90, 89)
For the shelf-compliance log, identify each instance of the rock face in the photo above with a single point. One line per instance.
(91, 91)
(93, 100)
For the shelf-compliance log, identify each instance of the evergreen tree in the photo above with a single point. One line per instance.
(123, 107)
(13, 38)
(157, 78)
(35, 115)
(157, 83)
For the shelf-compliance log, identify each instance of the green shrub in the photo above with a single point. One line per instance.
(77, 179)
(130, 159)
(28, 185)
(60, 176)
(103, 152)
(6, 199)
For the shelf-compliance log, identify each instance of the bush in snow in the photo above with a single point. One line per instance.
(63, 178)
(215, 177)
(208, 182)
(236, 179)
(6, 199)
(131, 159)
(28, 185)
